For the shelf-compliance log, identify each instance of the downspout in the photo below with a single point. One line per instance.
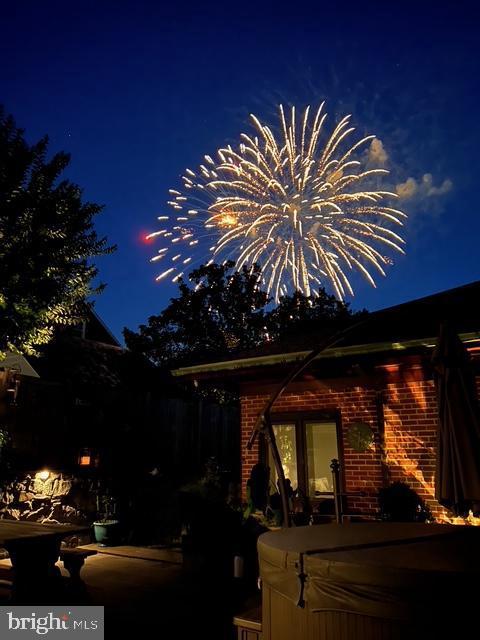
(380, 403)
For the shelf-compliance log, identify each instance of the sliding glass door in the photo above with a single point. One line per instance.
(321, 448)
(286, 438)
(307, 444)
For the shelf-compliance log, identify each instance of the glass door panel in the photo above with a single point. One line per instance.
(285, 435)
(321, 447)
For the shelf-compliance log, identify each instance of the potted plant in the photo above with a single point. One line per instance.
(106, 527)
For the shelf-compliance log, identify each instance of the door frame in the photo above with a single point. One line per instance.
(299, 418)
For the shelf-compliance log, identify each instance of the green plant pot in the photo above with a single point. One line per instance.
(107, 532)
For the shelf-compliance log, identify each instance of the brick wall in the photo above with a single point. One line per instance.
(410, 435)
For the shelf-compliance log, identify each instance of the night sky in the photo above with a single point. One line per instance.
(137, 92)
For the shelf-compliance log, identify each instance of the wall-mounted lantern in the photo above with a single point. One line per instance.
(13, 385)
(85, 458)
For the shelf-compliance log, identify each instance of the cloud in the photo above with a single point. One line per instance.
(376, 153)
(445, 187)
(406, 190)
(422, 189)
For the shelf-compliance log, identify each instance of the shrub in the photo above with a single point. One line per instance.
(400, 503)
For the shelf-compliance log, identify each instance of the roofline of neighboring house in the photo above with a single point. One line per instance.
(18, 362)
(334, 352)
(115, 342)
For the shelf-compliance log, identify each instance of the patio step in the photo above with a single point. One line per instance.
(167, 555)
(249, 624)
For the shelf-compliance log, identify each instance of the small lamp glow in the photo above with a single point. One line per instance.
(85, 458)
(43, 475)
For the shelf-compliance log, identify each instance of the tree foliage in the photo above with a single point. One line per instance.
(47, 241)
(220, 311)
(214, 314)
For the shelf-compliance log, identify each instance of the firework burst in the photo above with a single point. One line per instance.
(301, 204)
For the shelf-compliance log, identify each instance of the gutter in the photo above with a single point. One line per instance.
(334, 352)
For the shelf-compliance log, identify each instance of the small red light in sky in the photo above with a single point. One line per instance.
(144, 239)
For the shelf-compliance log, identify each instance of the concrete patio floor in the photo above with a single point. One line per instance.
(153, 596)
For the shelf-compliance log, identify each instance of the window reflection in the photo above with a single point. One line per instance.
(287, 448)
(321, 446)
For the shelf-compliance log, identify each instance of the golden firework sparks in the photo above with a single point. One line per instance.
(302, 208)
(227, 220)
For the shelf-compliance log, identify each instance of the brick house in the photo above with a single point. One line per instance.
(370, 401)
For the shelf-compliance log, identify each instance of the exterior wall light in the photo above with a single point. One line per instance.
(86, 458)
(13, 385)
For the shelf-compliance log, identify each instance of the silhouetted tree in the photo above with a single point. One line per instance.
(47, 242)
(221, 311)
(300, 314)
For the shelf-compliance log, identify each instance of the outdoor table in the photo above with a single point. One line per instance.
(368, 580)
(34, 549)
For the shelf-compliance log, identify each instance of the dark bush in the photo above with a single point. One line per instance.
(400, 503)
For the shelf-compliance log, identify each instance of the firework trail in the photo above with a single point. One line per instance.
(299, 204)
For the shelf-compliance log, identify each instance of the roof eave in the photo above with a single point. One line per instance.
(297, 356)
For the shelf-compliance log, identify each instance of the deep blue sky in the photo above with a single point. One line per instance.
(136, 92)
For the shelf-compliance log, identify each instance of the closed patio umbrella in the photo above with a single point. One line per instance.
(457, 474)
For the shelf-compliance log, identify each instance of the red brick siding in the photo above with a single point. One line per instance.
(410, 436)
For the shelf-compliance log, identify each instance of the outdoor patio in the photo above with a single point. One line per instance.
(146, 589)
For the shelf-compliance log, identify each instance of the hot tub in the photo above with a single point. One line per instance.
(368, 580)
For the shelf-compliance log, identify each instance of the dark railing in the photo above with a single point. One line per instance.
(339, 496)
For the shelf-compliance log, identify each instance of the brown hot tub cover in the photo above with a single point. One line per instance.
(387, 570)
